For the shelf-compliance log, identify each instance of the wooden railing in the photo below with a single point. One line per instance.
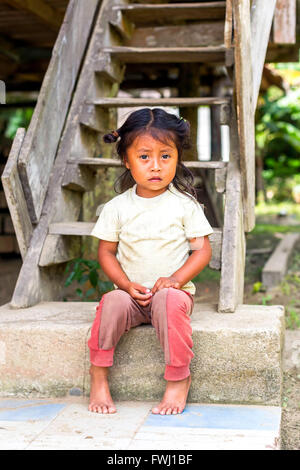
(40, 144)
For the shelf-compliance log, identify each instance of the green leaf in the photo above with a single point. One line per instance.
(93, 277)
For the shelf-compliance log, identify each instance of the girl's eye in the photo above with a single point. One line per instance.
(165, 157)
(143, 157)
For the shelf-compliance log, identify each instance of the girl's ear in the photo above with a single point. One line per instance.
(125, 162)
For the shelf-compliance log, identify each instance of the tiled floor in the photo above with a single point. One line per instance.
(67, 424)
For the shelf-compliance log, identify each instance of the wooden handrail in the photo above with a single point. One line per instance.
(43, 135)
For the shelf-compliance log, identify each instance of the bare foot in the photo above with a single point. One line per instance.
(100, 398)
(174, 399)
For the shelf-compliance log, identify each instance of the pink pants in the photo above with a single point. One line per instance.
(169, 312)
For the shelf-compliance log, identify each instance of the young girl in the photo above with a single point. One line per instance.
(146, 235)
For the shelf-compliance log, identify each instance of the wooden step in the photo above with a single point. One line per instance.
(179, 102)
(110, 162)
(134, 55)
(85, 228)
(170, 13)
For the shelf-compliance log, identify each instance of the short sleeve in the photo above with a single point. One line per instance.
(195, 222)
(107, 225)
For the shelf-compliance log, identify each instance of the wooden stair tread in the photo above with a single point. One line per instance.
(124, 102)
(110, 162)
(81, 228)
(167, 54)
(166, 13)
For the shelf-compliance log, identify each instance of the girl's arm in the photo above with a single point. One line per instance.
(193, 266)
(112, 268)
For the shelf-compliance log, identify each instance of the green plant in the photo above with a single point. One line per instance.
(86, 273)
(266, 299)
(15, 118)
(292, 318)
(278, 139)
(258, 287)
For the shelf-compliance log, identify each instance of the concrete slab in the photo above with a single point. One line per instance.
(43, 352)
(58, 424)
(276, 266)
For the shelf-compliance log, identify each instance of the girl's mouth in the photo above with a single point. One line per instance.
(155, 179)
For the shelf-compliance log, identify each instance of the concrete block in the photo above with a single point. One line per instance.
(43, 351)
(276, 266)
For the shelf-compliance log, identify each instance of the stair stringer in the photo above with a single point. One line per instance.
(34, 283)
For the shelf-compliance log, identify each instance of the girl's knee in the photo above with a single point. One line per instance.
(173, 299)
(118, 299)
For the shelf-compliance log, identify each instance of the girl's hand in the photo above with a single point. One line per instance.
(140, 293)
(165, 282)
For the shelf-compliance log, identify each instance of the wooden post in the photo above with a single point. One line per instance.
(284, 30)
(262, 12)
(234, 242)
(245, 115)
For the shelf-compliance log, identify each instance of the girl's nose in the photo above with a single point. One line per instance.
(156, 164)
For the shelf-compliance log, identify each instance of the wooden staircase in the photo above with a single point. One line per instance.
(54, 164)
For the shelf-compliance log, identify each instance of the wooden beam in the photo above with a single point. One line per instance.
(284, 29)
(15, 196)
(245, 115)
(262, 12)
(45, 12)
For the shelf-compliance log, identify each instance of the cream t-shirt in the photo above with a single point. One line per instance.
(152, 233)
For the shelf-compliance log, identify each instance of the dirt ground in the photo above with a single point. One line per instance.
(287, 294)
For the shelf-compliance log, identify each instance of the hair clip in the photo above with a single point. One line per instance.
(115, 133)
(182, 119)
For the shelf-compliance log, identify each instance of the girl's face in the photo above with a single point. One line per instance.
(152, 164)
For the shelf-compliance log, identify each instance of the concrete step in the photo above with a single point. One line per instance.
(43, 352)
(66, 424)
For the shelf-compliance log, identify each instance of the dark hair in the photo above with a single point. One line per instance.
(161, 126)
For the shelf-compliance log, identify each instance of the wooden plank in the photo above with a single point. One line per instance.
(276, 266)
(110, 162)
(168, 13)
(135, 55)
(262, 13)
(71, 228)
(42, 10)
(284, 28)
(245, 115)
(125, 102)
(15, 196)
(228, 25)
(42, 138)
(208, 33)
